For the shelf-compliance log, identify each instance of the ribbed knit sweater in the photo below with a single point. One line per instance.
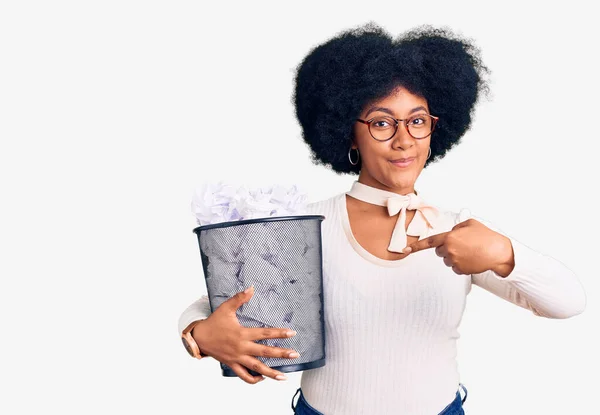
(391, 325)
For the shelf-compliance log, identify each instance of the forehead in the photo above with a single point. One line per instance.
(400, 101)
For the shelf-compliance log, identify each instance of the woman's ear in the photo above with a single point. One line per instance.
(353, 144)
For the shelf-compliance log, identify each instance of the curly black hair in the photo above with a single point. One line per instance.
(338, 78)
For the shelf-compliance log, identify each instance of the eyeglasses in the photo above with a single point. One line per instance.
(384, 127)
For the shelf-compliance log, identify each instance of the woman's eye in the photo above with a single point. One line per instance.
(414, 121)
(381, 123)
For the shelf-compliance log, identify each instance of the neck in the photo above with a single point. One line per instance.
(369, 181)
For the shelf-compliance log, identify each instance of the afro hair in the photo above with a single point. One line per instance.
(338, 78)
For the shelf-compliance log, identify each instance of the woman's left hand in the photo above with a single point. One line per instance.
(470, 248)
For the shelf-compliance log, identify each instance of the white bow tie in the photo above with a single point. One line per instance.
(425, 217)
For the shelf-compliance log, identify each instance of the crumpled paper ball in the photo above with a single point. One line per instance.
(222, 202)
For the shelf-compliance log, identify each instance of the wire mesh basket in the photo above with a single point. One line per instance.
(282, 258)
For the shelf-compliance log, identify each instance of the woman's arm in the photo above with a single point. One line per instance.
(537, 282)
(198, 310)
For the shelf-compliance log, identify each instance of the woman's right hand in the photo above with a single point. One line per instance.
(222, 337)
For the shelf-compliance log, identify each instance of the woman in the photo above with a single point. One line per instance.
(384, 109)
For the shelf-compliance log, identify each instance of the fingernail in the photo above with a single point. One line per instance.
(247, 290)
(293, 355)
(290, 333)
(407, 250)
(280, 377)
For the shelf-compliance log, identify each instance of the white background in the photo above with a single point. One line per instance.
(112, 112)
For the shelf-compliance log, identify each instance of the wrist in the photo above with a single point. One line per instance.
(190, 342)
(197, 336)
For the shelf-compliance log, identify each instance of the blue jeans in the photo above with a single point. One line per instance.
(453, 408)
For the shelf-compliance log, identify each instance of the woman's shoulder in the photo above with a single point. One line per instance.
(324, 206)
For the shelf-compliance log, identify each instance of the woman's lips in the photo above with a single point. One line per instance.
(404, 163)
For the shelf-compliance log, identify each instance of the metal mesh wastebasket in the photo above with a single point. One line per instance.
(282, 258)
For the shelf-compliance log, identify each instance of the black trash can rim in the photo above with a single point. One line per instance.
(257, 220)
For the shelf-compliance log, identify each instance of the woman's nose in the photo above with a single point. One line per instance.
(402, 138)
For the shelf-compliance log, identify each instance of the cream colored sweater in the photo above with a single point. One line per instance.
(391, 326)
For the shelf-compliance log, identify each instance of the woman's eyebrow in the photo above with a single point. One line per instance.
(387, 110)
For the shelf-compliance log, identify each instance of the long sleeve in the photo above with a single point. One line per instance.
(198, 310)
(538, 282)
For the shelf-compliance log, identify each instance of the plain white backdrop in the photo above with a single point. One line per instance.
(112, 112)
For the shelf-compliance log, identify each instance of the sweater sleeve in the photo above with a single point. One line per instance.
(538, 282)
(198, 310)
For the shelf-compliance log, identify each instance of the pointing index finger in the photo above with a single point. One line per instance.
(426, 243)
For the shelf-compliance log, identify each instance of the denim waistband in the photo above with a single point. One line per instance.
(453, 408)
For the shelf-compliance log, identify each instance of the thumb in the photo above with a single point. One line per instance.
(240, 298)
